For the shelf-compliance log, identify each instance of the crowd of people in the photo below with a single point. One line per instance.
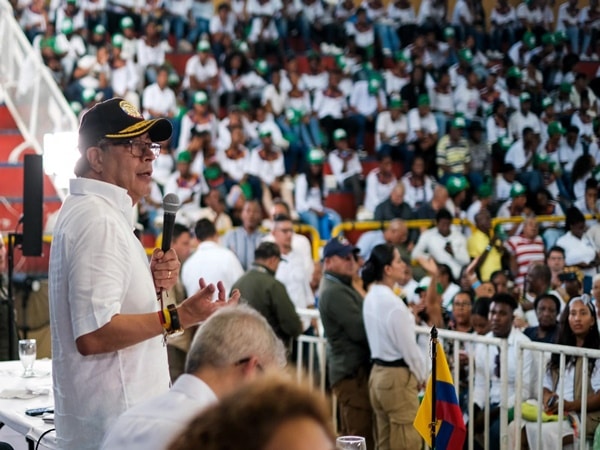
(484, 121)
(491, 97)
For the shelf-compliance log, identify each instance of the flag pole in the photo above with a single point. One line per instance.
(434, 335)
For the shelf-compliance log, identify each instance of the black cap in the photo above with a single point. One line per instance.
(118, 119)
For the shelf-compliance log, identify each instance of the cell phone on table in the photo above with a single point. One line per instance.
(34, 412)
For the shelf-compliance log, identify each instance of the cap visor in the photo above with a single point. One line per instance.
(159, 130)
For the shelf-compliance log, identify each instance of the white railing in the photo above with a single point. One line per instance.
(29, 91)
(509, 437)
(544, 351)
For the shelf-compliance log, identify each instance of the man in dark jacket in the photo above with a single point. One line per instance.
(259, 288)
(348, 354)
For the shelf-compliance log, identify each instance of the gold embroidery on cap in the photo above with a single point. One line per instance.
(129, 109)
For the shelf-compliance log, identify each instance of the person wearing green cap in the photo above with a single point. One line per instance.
(452, 152)
(366, 101)
(202, 72)
(310, 193)
(266, 164)
(199, 118)
(346, 167)
(521, 156)
(391, 129)
(523, 118)
(467, 97)
(72, 47)
(91, 71)
(423, 131)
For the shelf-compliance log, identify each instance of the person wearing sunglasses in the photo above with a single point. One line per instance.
(577, 328)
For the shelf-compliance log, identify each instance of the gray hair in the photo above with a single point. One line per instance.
(231, 334)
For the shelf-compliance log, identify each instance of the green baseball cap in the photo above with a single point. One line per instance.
(184, 157)
(485, 190)
(340, 134)
(66, 26)
(547, 101)
(126, 22)
(99, 29)
(555, 128)
(173, 79)
(456, 184)
(401, 56)
(315, 156)
(395, 103)
(529, 39)
(449, 32)
(423, 99)
(76, 107)
(458, 122)
(565, 87)
(560, 36)
(261, 66)
(517, 189)
(514, 72)
(293, 116)
(465, 54)
(264, 132)
(200, 98)
(88, 95)
(374, 86)
(548, 38)
(505, 142)
(525, 97)
(117, 40)
(203, 45)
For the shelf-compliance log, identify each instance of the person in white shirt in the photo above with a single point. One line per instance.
(222, 28)
(423, 131)
(202, 11)
(295, 270)
(210, 260)
(345, 166)
(491, 365)
(391, 130)
(266, 164)
(521, 155)
(524, 118)
(310, 194)
(125, 77)
(379, 182)
(568, 21)
(159, 99)
(231, 348)
(366, 101)
(390, 329)
(502, 23)
(580, 249)
(110, 331)
(444, 244)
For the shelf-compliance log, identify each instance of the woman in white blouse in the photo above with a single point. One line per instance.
(398, 363)
(577, 328)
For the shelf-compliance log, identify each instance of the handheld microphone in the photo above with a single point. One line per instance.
(170, 206)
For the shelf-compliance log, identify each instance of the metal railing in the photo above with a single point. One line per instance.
(32, 96)
(564, 351)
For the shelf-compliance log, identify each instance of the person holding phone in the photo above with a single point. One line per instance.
(577, 328)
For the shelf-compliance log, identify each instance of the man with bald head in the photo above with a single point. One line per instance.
(394, 207)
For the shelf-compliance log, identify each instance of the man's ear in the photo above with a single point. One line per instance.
(95, 157)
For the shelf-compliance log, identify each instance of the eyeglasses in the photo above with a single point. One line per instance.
(137, 148)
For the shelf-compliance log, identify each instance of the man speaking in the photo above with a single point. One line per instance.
(107, 326)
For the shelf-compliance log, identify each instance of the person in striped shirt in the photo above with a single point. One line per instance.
(524, 249)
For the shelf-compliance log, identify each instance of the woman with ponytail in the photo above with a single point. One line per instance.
(398, 364)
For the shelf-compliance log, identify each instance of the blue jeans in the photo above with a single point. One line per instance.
(387, 36)
(177, 26)
(573, 35)
(323, 224)
(200, 29)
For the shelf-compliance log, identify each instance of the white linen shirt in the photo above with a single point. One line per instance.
(336, 163)
(432, 243)
(375, 191)
(483, 365)
(214, 263)
(157, 99)
(152, 425)
(390, 328)
(578, 251)
(267, 171)
(99, 269)
(568, 378)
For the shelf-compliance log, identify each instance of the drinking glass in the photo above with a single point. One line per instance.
(27, 355)
(351, 443)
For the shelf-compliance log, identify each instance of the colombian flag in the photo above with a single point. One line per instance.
(450, 427)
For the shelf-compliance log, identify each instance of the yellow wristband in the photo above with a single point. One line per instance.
(167, 315)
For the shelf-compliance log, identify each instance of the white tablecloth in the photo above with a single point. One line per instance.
(12, 411)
